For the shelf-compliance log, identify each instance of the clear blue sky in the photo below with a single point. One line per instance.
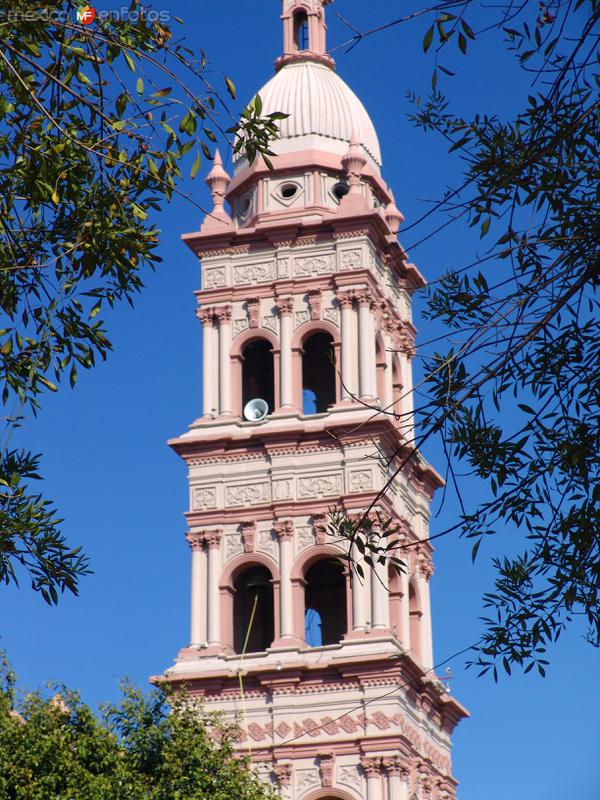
(123, 492)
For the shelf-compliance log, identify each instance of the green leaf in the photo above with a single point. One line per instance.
(196, 165)
(230, 87)
(139, 85)
(462, 43)
(427, 39)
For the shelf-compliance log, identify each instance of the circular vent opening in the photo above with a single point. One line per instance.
(341, 189)
(288, 190)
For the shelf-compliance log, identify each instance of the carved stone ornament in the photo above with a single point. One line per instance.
(248, 530)
(306, 779)
(320, 486)
(345, 298)
(314, 303)
(371, 766)
(206, 315)
(320, 527)
(223, 314)
(213, 538)
(253, 305)
(283, 773)
(326, 768)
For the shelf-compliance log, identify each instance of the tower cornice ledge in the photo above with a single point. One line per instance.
(266, 235)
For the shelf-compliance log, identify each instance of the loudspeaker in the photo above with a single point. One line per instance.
(256, 409)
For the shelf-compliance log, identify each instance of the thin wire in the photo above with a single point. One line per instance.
(384, 695)
(240, 676)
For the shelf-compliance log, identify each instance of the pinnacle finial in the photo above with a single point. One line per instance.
(354, 162)
(393, 216)
(217, 181)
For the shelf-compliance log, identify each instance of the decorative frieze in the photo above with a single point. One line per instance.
(214, 278)
(247, 494)
(204, 497)
(361, 480)
(244, 274)
(306, 779)
(314, 265)
(239, 326)
(320, 486)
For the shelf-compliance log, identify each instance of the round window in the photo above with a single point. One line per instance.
(288, 190)
(244, 206)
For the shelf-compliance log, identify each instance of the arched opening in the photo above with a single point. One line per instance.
(415, 615)
(253, 611)
(318, 373)
(325, 615)
(301, 30)
(258, 373)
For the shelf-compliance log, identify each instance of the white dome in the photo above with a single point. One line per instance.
(324, 112)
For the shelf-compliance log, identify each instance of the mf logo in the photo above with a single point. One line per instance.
(86, 15)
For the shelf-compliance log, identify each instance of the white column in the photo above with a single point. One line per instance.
(285, 532)
(372, 768)
(206, 315)
(406, 351)
(425, 571)
(366, 346)
(359, 622)
(397, 779)
(346, 302)
(198, 610)
(224, 317)
(380, 612)
(213, 539)
(286, 306)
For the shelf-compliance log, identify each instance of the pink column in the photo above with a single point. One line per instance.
(359, 622)
(224, 316)
(397, 779)
(206, 317)
(372, 769)
(286, 306)
(380, 614)
(285, 533)
(198, 610)
(213, 540)
(366, 346)
(346, 301)
(424, 574)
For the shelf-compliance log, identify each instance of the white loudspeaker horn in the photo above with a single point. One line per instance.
(256, 409)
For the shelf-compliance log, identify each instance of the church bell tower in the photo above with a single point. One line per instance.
(307, 341)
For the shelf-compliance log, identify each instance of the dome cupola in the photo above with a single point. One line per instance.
(324, 113)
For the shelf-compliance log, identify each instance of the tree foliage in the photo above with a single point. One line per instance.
(98, 125)
(515, 399)
(147, 747)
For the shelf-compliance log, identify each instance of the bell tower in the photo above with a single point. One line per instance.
(307, 341)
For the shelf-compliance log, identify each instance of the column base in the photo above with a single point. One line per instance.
(288, 643)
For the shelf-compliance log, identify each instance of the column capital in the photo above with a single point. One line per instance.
(364, 298)
(205, 314)
(425, 565)
(404, 339)
(213, 538)
(195, 540)
(371, 766)
(248, 529)
(223, 314)
(345, 297)
(285, 305)
(394, 767)
(285, 530)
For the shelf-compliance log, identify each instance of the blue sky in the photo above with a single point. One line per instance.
(123, 492)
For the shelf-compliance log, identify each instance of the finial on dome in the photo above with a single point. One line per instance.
(217, 181)
(393, 216)
(304, 32)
